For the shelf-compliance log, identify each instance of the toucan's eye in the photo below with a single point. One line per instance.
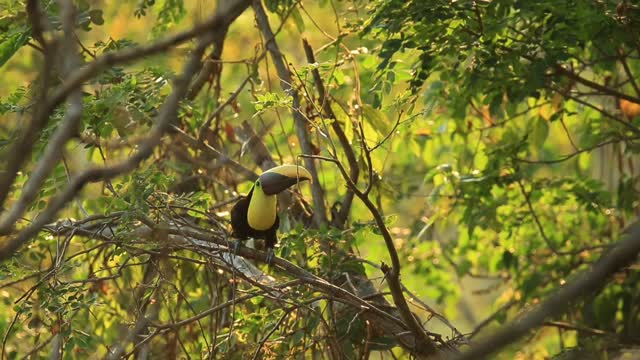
(258, 183)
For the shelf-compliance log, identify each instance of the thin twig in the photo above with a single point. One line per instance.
(390, 133)
(623, 60)
(533, 213)
(578, 328)
(266, 337)
(221, 107)
(491, 318)
(617, 119)
(576, 153)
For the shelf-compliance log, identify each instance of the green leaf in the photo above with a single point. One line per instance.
(377, 119)
(96, 16)
(539, 133)
(10, 45)
(298, 20)
(338, 77)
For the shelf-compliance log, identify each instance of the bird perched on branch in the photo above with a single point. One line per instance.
(255, 215)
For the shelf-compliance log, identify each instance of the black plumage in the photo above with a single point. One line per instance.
(241, 228)
(255, 215)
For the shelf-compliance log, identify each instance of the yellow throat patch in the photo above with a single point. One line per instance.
(262, 210)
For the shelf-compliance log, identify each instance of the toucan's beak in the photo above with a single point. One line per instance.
(280, 178)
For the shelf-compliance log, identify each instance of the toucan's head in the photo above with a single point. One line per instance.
(280, 178)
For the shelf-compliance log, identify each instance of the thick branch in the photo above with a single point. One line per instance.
(320, 212)
(219, 36)
(354, 170)
(36, 20)
(594, 85)
(23, 146)
(168, 113)
(625, 252)
(65, 130)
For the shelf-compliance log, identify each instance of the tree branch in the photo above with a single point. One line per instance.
(620, 121)
(220, 32)
(167, 114)
(36, 20)
(215, 154)
(578, 328)
(625, 252)
(150, 274)
(576, 153)
(594, 85)
(74, 81)
(623, 60)
(215, 246)
(64, 131)
(320, 212)
(354, 171)
(23, 146)
(423, 344)
(221, 107)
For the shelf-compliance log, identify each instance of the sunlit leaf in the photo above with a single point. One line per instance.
(10, 45)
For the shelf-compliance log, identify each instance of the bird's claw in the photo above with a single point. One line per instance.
(270, 256)
(236, 247)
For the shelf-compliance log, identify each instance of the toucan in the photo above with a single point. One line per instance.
(255, 215)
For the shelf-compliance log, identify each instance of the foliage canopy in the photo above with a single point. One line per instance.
(471, 157)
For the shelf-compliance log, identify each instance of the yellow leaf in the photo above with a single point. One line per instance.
(557, 101)
(629, 109)
(545, 111)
